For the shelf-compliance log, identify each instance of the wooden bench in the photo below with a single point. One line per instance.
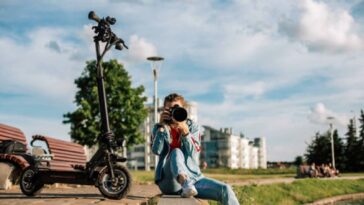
(11, 133)
(65, 156)
(11, 164)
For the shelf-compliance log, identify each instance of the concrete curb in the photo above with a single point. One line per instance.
(334, 199)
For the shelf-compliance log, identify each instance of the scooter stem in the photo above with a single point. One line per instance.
(105, 127)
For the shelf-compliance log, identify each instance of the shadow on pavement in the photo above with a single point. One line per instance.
(48, 196)
(58, 196)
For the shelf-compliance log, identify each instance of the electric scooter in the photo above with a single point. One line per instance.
(103, 170)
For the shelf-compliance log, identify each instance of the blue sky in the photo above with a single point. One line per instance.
(266, 68)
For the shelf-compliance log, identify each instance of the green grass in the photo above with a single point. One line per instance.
(231, 175)
(223, 174)
(142, 177)
(235, 177)
(299, 192)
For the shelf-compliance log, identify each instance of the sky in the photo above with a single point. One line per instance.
(275, 69)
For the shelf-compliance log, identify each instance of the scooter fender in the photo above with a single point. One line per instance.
(95, 173)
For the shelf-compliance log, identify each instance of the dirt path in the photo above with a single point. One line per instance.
(284, 180)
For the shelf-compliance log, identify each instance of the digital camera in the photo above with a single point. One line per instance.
(178, 114)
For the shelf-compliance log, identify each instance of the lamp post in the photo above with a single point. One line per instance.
(156, 65)
(331, 119)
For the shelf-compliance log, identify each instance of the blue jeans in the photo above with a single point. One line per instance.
(207, 188)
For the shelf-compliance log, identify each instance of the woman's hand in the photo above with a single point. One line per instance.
(165, 116)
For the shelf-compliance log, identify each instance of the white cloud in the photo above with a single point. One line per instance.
(320, 114)
(240, 90)
(140, 49)
(324, 28)
(34, 68)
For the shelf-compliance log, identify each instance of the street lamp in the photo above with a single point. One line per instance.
(156, 62)
(331, 119)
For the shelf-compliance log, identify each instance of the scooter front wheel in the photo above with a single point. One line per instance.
(29, 184)
(117, 187)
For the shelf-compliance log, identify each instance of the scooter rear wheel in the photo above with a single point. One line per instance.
(29, 183)
(117, 188)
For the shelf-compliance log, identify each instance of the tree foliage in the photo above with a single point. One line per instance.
(319, 150)
(298, 160)
(125, 105)
(349, 156)
(360, 146)
(351, 147)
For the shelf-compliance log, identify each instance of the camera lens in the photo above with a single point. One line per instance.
(179, 114)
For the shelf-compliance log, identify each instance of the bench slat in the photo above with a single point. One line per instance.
(60, 156)
(67, 149)
(11, 133)
(59, 142)
(18, 160)
(69, 161)
(12, 130)
(4, 136)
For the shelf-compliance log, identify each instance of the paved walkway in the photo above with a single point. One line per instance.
(77, 196)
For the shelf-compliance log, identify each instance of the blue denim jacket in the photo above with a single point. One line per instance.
(190, 146)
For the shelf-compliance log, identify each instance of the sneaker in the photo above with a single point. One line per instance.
(188, 190)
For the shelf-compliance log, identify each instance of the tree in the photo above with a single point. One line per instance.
(351, 148)
(319, 151)
(360, 148)
(361, 128)
(125, 105)
(298, 161)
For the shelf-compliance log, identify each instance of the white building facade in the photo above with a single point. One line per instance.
(220, 148)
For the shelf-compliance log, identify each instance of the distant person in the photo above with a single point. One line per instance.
(327, 170)
(313, 171)
(319, 171)
(333, 171)
(303, 171)
(178, 147)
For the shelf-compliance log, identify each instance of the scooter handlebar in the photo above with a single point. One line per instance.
(92, 16)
